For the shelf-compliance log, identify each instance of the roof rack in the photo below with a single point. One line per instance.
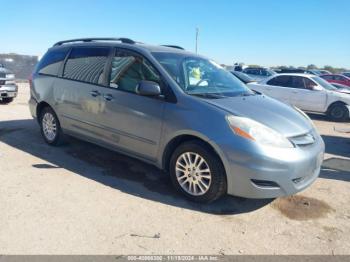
(174, 46)
(121, 39)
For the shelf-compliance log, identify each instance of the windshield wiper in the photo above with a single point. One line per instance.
(208, 95)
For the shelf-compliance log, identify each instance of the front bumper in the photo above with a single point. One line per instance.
(272, 172)
(8, 91)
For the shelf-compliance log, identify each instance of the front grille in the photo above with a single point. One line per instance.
(303, 140)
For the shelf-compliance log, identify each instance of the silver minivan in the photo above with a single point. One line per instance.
(178, 111)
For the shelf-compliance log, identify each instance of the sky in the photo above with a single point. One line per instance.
(264, 32)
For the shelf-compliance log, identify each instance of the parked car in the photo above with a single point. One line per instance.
(243, 77)
(8, 87)
(315, 72)
(337, 78)
(325, 72)
(341, 88)
(307, 92)
(258, 73)
(290, 71)
(347, 74)
(178, 111)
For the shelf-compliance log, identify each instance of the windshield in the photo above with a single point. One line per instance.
(200, 76)
(242, 76)
(323, 83)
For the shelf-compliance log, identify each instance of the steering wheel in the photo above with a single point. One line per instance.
(201, 81)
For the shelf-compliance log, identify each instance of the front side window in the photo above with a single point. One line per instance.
(51, 62)
(200, 76)
(309, 84)
(129, 69)
(86, 64)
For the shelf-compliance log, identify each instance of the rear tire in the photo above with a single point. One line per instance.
(338, 112)
(6, 100)
(50, 127)
(197, 172)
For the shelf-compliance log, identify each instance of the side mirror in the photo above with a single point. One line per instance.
(148, 88)
(317, 88)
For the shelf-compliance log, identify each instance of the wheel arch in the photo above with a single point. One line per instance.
(182, 138)
(40, 107)
(338, 102)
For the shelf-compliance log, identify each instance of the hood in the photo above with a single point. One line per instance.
(270, 112)
(343, 90)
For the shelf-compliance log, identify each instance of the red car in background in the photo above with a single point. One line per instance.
(335, 78)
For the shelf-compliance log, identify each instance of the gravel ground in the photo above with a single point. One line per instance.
(83, 199)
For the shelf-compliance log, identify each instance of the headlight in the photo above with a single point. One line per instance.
(305, 116)
(257, 132)
(10, 75)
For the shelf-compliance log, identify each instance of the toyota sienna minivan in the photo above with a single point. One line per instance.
(178, 111)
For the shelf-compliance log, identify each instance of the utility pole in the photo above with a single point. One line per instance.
(197, 33)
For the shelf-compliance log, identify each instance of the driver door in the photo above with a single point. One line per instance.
(134, 122)
(305, 97)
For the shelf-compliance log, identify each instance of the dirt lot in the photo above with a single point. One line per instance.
(83, 199)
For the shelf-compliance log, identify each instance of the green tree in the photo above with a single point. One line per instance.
(311, 66)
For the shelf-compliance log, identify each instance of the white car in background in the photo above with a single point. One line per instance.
(307, 92)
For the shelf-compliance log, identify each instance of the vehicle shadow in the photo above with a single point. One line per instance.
(336, 168)
(112, 169)
(337, 145)
(319, 117)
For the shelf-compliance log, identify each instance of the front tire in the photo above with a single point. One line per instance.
(50, 127)
(338, 112)
(197, 172)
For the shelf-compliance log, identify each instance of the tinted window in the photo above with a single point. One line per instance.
(327, 77)
(86, 64)
(128, 69)
(309, 84)
(51, 62)
(280, 81)
(339, 78)
(252, 71)
(297, 82)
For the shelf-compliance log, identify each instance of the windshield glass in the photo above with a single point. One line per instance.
(242, 76)
(200, 76)
(323, 83)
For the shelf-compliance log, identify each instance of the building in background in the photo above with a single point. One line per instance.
(21, 65)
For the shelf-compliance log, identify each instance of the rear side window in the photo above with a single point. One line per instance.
(280, 81)
(51, 62)
(86, 64)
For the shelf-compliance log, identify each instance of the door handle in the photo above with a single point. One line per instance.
(108, 97)
(95, 93)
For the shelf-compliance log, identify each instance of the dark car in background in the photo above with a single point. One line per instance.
(346, 74)
(243, 77)
(8, 87)
(258, 73)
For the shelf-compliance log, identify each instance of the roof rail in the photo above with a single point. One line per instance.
(174, 46)
(121, 39)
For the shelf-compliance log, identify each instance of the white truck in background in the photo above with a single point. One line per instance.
(8, 87)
